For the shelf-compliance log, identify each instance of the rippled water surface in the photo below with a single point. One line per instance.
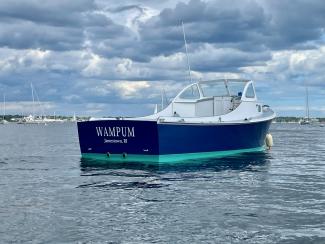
(49, 195)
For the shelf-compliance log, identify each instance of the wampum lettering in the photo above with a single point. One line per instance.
(115, 131)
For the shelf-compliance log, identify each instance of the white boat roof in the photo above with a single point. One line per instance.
(224, 80)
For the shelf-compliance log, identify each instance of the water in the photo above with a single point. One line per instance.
(48, 195)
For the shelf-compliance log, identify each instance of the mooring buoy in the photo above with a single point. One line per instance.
(269, 140)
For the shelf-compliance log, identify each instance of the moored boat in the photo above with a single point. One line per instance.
(4, 121)
(206, 119)
(306, 120)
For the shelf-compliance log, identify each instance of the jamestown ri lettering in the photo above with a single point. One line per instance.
(115, 131)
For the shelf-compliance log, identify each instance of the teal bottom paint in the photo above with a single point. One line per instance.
(169, 158)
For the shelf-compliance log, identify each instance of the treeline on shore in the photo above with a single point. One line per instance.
(283, 119)
(16, 117)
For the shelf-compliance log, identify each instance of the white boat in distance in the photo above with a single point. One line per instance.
(4, 121)
(32, 118)
(306, 120)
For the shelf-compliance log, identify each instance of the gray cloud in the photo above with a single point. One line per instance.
(57, 13)
(77, 52)
(51, 25)
(245, 25)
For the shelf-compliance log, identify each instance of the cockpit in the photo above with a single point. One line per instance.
(213, 98)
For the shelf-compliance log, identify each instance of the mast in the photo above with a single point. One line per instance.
(39, 105)
(31, 86)
(307, 103)
(188, 60)
(4, 107)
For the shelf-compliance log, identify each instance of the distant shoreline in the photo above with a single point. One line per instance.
(291, 119)
(16, 118)
(280, 119)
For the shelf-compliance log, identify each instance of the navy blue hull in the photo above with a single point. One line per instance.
(149, 138)
(207, 138)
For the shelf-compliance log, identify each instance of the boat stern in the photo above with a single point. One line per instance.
(119, 140)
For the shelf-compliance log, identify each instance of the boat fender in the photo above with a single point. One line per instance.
(269, 140)
(124, 155)
(108, 154)
(265, 108)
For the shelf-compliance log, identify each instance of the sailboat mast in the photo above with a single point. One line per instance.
(39, 105)
(188, 60)
(307, 103)
(31, 86)
(4, 106)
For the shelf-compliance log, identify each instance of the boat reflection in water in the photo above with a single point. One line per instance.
(206, 119)
(244, 162)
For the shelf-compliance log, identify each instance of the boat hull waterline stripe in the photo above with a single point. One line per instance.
(169, 158)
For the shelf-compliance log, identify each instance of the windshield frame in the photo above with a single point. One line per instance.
(226, 85)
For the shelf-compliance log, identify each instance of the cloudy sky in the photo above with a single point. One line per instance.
(106, 57)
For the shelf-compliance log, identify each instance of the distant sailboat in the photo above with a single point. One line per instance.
(4, 121)
(74, 118)
(306, 120)
(32, 119)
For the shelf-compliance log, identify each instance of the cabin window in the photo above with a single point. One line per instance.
(250, 93)
(236, 88)
(217, 89)
(191, 92)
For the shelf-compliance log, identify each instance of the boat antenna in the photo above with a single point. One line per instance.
(188, 60)
(162, 99)
(166, 98)
(226, 85)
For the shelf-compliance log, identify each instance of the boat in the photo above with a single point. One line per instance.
(306, 120)
(4, 121)
(54, 119)
(214, 118)
(74, 118)
(32, 118)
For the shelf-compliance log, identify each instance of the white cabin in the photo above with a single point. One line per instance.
(214, 101)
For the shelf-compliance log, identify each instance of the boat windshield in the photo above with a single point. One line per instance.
(222, 88)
